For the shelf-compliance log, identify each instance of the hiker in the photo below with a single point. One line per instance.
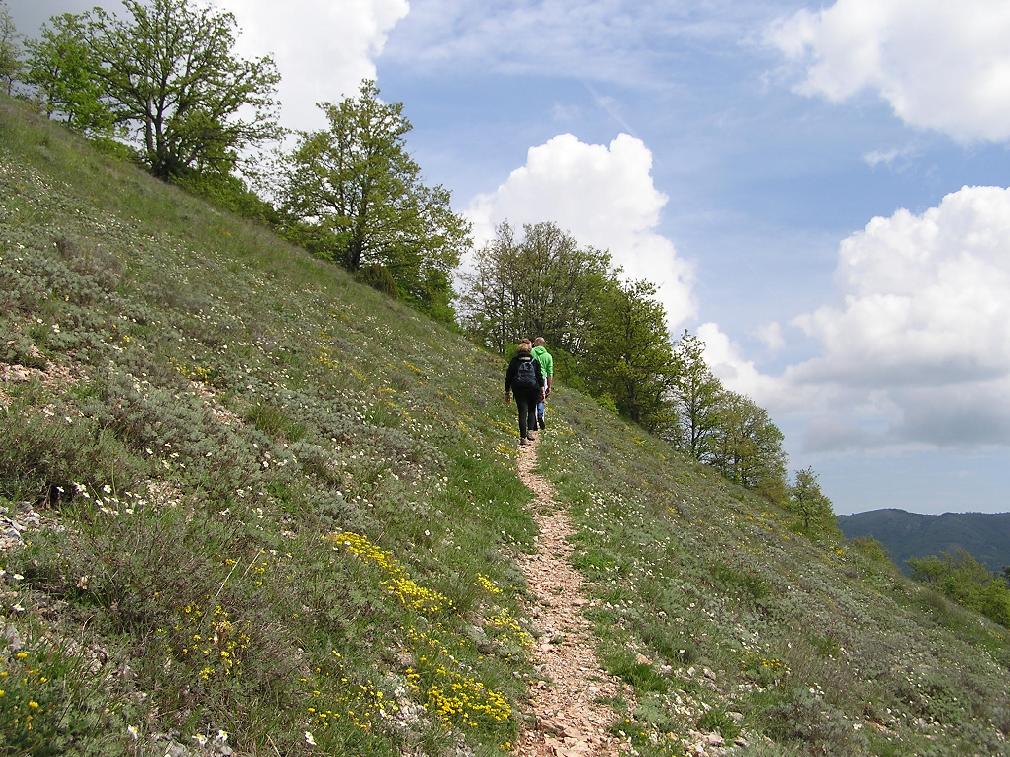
(525, 379)
(547, 368)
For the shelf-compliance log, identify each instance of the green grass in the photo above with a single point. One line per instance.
(822, 648)
(205, 405)
(222, 403)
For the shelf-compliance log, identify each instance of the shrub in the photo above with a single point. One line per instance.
(378, 277)
(965, 580)
(717, 719)
(806, 718)
(872, 550)
(45, 454)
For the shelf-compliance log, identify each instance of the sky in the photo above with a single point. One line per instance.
(819, 189)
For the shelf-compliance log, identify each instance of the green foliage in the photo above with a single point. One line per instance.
(64, 72)
(629, 357)
(746, 446)
(198, 103)
(356, 197)
(198, 351)
(10, 49)
(965, 580)
(696, 393)
(872, 550)
(54, 457)
(798, 645)
(50, 703)
(231, 193)
(805, 717)
(985, 535)
(811, 505)
(610, 336)
(540, 283)
(717, 719)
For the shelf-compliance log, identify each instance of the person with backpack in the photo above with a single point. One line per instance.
(547, 368)
(525, 380)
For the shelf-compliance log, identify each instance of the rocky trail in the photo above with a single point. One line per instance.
(569, 719)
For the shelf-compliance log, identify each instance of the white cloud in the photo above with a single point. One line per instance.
(322, 49)
(738, 373)
(605, 196)
(940, 65)
(917, 353)
(928, 297)
(924, 330)
(615, 41)
(771, 336)
(889, 157)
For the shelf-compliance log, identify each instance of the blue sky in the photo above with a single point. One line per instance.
(760, 140)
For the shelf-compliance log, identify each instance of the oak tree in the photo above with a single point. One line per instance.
(355, 196)
(169, 74)
(10, 49)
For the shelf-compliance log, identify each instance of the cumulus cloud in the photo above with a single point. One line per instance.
(928, 297)
(604, 195)
(917, 352)
(322, 49)
(924, 329)
(739, 374)
(940, 65)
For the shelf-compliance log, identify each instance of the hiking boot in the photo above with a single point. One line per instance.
(543, 423)
(523, 442)
(530, 435)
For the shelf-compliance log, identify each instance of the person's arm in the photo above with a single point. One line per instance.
(550, 373)
(509, 375)
(540, 378)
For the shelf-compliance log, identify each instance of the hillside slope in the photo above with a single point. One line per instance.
(253, 507)
(985, 535)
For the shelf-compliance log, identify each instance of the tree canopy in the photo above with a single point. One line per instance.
(538, 282)
(166, 73)
(10, 49)
(355, 196)
(65, 75)
(696, 393)
(629, 357)
(808, 501)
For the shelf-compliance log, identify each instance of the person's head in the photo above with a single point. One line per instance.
(539, 342)
(525, 345)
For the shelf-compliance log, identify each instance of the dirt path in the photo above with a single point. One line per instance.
(569, 721)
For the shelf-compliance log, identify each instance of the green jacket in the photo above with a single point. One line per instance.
(545, 360)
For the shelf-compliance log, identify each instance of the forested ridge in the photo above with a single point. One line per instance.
(250, 505)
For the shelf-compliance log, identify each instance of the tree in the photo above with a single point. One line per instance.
(808, 501)
(65, 75)
(746, 446)
(967, 581)
(355, 196)
(543, 283)
(630, 358)
(10, 49)
(169, 75)
(696, 394)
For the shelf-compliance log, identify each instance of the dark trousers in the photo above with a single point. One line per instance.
(526, 402)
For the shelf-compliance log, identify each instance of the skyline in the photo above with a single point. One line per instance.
(820, 192)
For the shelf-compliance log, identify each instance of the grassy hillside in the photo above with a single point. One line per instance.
(985, 535)
(267, 510)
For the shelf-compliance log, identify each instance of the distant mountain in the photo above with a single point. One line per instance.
(986, 536)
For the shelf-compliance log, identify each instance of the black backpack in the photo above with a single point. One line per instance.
(526, 373)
